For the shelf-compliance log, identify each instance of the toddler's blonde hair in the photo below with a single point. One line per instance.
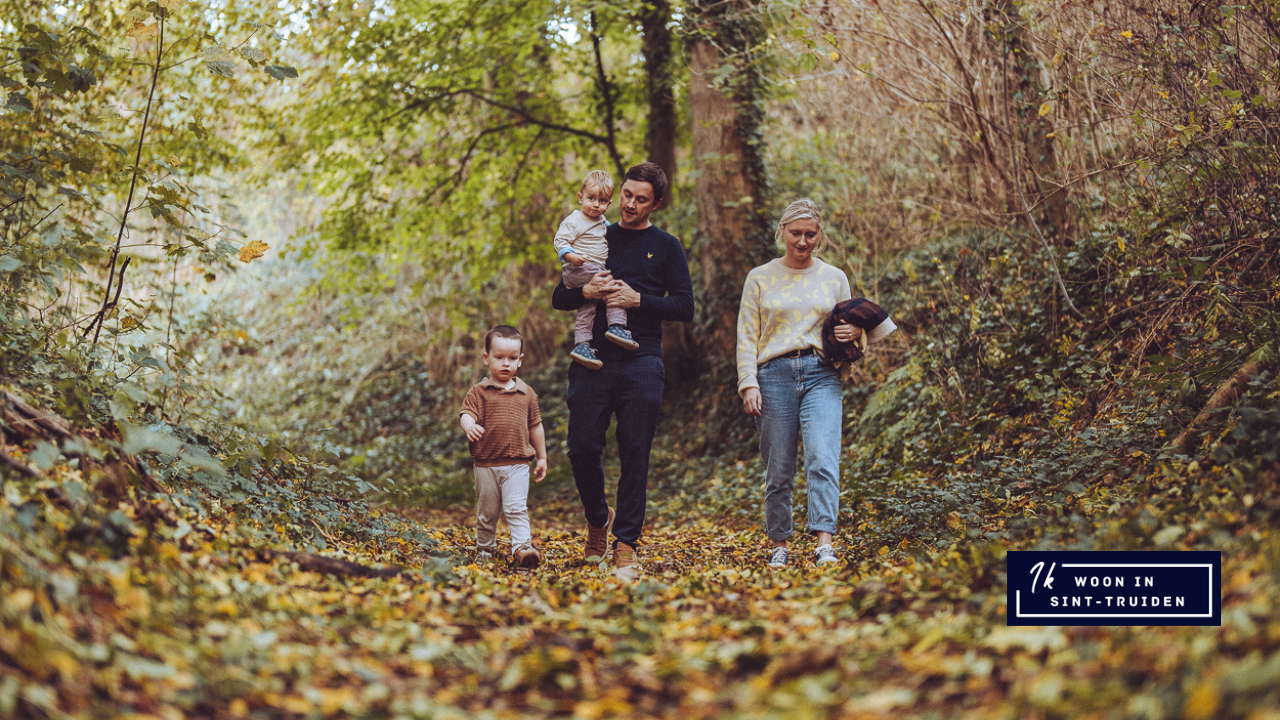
(802, 209)
(600, 180)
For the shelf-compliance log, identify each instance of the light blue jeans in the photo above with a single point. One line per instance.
(800, 397)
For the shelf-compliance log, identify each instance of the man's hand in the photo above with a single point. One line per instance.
(540, 470)
(574, 258)
(622, 296)
(601, 285)
(751, 401)
(474, 433)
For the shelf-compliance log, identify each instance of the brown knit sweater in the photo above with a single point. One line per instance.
(507, 417)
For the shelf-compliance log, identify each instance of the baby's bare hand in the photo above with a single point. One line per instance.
(474, 433)
(574, 258)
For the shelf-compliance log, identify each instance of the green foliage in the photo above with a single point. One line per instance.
(101, 175)
(106, 137)
(464, 128)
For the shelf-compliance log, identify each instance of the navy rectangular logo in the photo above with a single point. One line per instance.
(1080, 587)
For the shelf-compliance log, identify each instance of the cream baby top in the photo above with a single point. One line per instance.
(580, 234)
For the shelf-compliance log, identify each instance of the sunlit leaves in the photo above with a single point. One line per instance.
(142, 30)
(252, 250)
(445, 125)
(252, 54)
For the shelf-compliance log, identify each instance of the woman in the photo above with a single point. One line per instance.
(784, 381)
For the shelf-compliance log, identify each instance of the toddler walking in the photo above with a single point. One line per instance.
(504, 432)
(582, 248)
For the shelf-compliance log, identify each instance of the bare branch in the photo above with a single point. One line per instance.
(606, 93)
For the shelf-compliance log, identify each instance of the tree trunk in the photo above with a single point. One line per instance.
(660, 139)
(1045, 194)
(734, 233)
(1225, 395)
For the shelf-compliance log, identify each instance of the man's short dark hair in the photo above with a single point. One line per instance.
(652, 174)
(505, 332)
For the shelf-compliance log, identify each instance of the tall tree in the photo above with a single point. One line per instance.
(1039, 187)
(661, 134)
(726, 95)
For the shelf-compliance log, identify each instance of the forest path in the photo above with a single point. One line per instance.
(709, 630)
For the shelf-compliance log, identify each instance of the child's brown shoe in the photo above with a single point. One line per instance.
(525, 556)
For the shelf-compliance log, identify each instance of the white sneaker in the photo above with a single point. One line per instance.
(778, 558)
(825, 554)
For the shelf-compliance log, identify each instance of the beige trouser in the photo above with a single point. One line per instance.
(502, 491)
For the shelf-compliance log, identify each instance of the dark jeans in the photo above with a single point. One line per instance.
(632, 390)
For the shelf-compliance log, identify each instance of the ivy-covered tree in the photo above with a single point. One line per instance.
(727, 90)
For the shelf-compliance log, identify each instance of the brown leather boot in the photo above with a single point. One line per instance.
(597, 541)
(625, 564)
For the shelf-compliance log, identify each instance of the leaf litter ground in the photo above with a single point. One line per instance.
(199, 623)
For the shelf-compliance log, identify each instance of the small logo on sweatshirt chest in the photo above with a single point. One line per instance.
(650, 256)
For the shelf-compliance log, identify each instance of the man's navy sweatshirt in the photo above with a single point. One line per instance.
(652, 262)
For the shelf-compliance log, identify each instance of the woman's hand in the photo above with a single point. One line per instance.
(751, 401)
(845, 332)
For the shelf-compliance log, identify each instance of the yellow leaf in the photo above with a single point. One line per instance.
(142, 30)
(134, 602)
(1203, 701)
(255, 249)
(1126, 34)
(835, 56)
(64, 663)
(21, 600)
(1044, 109)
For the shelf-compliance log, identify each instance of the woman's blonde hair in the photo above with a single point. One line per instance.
(802, 209)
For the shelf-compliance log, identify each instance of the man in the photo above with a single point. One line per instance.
(648, 275)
